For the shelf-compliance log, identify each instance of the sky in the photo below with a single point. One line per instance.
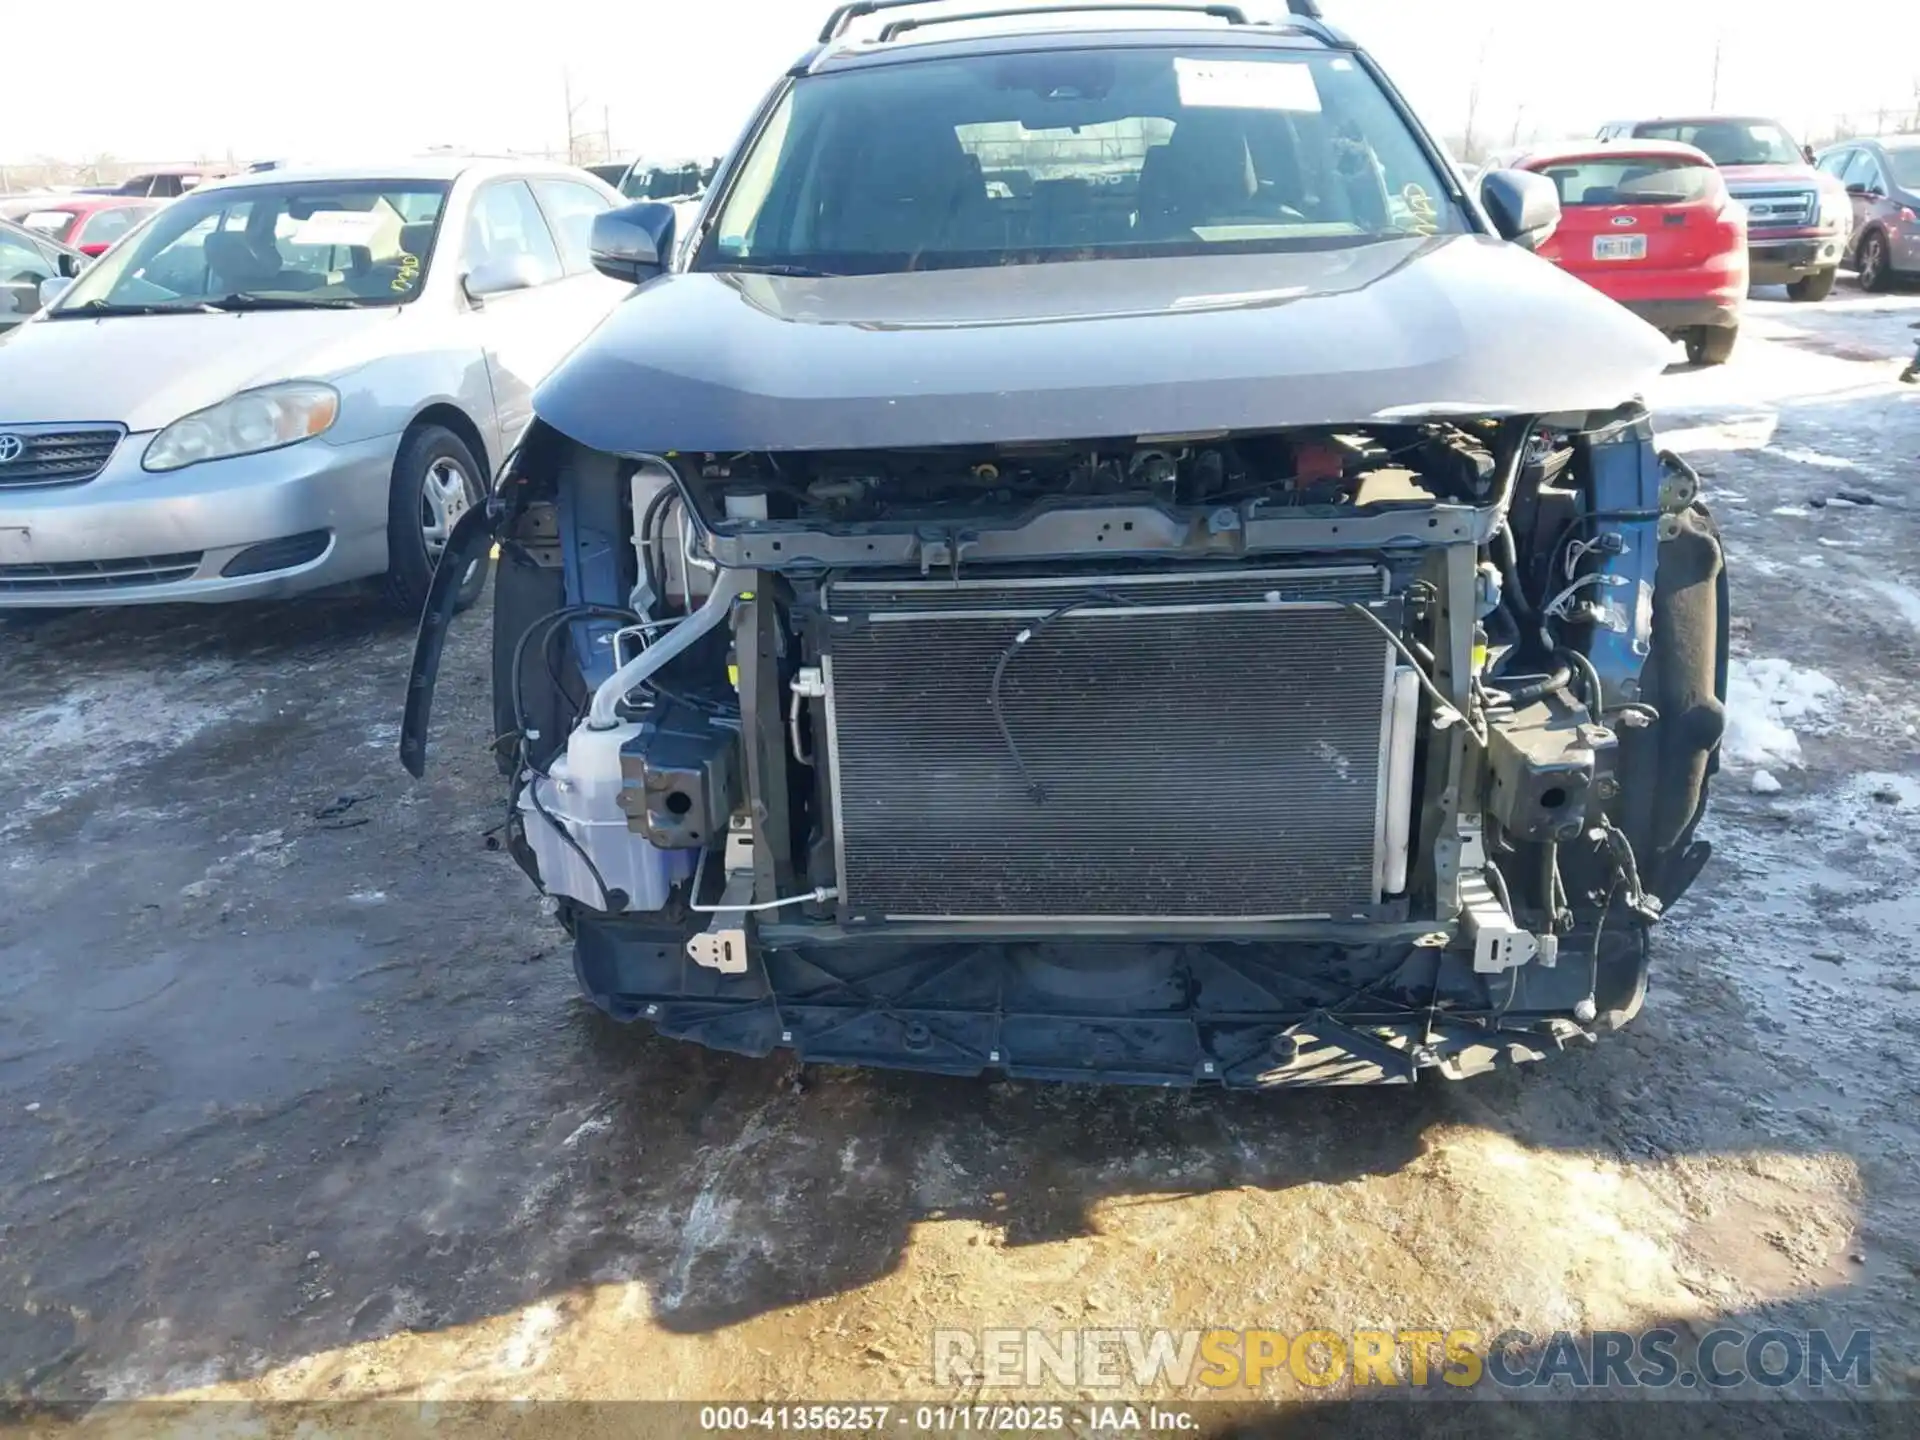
(258, 80)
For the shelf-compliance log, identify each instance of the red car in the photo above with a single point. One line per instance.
(87, 223)
(1650, 223)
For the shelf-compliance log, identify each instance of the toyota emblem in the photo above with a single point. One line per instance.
(11, 448)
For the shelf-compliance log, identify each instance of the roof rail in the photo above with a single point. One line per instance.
(845, 15)
(1305, 9)
(1232, 14)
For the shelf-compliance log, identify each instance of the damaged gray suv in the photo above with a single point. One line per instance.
(1101, 561)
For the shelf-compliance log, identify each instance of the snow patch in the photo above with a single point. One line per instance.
(1738, 432)
(1766, 701)
(147, 717)
(1903, 598)
(592, 1125)
(1764, 783)
(1796, 512)
(1813, 457)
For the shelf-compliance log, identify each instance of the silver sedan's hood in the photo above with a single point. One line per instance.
(1082, 349)
(146, 371)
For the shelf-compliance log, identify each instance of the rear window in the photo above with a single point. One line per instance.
(49, 222)
(1632, 180)
(1906, 166)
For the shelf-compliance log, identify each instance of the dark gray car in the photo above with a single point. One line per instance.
(1882, 177)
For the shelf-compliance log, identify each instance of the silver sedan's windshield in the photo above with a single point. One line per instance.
(1077, 154)
(311, 245)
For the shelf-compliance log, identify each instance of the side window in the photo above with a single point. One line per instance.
(570, 209)
(505, 227)
(1836, 163)
(23, 263)
(1864, 171)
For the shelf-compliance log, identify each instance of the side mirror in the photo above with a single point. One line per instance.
(498, 277)
(52, 289)
(71, 265)
(1524, 207)
(634, 242)
(1807, 151)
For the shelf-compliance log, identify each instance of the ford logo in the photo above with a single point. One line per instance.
(11, 448)
(1625, 220)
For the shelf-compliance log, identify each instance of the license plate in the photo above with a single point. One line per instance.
(1619, 247)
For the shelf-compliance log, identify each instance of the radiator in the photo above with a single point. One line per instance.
(1210, 746)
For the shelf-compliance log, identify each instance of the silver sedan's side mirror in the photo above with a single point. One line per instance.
(52, 289)
(498, 277)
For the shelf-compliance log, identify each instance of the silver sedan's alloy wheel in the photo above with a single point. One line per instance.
(446, 493)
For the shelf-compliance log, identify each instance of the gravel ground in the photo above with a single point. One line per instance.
(296, 1099)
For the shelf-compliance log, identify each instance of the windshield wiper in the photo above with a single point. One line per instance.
(94, 309)
(756, 267)
(238, 303)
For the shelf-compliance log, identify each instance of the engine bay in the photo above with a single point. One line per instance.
(1392, 700)
(1342, 468)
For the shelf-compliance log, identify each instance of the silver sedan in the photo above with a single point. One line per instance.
(289, 380)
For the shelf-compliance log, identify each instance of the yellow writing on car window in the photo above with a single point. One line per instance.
(409, 273)
(1425, 215)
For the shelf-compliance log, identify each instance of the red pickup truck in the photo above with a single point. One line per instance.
(1797, 218)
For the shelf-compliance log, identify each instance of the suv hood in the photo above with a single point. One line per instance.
(1082, 349)
(146, 371)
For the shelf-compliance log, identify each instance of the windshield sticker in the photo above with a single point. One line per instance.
(338, 227)
(408, 275)
(1246, 85)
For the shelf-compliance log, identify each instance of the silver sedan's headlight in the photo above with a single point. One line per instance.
(252, 421)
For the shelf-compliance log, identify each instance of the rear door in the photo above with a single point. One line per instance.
(1625, 214)
(507, 234)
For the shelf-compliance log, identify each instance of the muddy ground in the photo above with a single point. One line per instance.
(296, 1099)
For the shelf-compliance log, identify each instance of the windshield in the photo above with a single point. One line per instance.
(1632, 180)
(1729, 142)
(1905, 160)
(1076, 154)
(673, 182)
(311, 245)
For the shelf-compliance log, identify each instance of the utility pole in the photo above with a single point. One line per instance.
(566, 86)
(1473, 99)
(1719, 44)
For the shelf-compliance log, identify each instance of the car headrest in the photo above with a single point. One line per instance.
(231, 255)
(414, 239)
